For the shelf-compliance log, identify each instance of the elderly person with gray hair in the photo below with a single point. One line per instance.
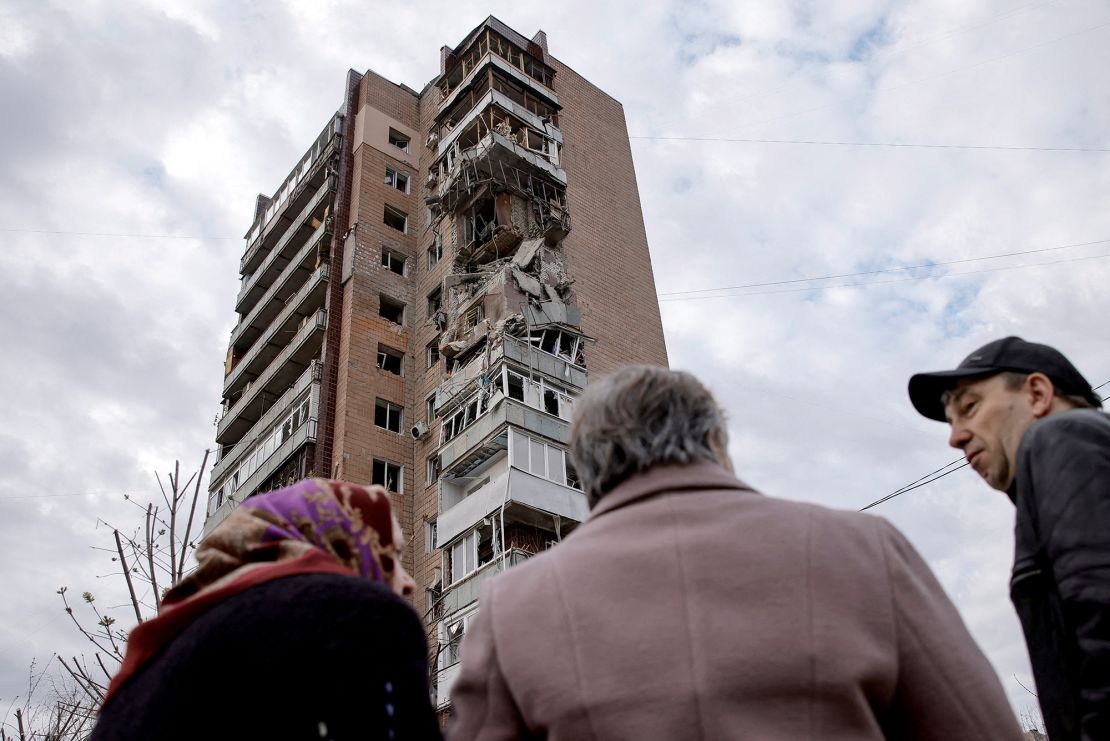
(688, 605)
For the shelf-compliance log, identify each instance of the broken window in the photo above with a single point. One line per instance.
(399, 220)
(465, 415)
(431, 353)
(386, 474)
(394, 261)
(435, 302)
(399, 140)
(563, 345)
(390, 360)
(433, 471)
(435, 252)
(472, 317)
(479, 222)
(397, 179)
(430, 408)
(391, 309)
(387, 415)
(453, 633)
(430, 533)
(472, 552)
(514, 385)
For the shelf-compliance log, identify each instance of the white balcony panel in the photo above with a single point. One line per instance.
(512, 487)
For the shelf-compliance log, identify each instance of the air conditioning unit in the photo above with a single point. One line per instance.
(419, 430)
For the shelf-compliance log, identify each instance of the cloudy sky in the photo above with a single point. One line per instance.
(136, 136)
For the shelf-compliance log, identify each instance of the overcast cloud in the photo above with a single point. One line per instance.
(167, 118)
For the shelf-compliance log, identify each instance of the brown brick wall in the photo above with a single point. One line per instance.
(607, 249)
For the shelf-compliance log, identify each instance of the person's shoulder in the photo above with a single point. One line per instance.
(1065, 427)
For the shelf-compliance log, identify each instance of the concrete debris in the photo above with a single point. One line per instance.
(527, 253)
(527, 283)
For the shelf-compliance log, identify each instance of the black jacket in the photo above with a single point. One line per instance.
(1061, 580)
(313, 656)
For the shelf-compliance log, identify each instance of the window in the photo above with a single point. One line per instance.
(391, 309)
(472, 317)
(541, 459)
(465, 415)
(390, 360)
(430, 408)
(435, 252)
(451, 639)
(433, 470)
(563, 345)
(514, 385)
(429, 535)
(397, 179)
(386, 474)
(431, 353)
(387, 415)
(399, 140)
(435, 302)
(399, 220)
(393, 261)
(464, 557)
(471, 553)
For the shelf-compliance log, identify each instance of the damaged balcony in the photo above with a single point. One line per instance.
(492, 50)
(306, 301)
(299, 187)
(312, 223)
(538, 132)
(241, 414)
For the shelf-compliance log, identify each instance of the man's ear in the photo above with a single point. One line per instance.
(1040, 392)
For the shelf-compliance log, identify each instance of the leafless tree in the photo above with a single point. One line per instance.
(149, 558)
(68, 716)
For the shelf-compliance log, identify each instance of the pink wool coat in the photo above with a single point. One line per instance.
(689, 606)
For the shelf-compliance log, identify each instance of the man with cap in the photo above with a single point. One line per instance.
(1029, 423)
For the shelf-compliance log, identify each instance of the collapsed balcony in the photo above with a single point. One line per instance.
(490, 46)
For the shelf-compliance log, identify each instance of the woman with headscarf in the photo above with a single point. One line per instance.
(293, 626)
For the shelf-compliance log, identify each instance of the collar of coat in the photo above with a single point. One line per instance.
(666, 479)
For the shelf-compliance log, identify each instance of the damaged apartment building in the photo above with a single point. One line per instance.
(422, 300)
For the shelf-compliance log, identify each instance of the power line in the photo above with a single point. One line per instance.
(111, 234)
(907, 145)
(884, 282)
(919, 482)
(885, 270)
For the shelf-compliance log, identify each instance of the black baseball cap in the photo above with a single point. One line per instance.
(1007, 354)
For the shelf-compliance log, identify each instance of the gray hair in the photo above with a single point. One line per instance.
(639, 417)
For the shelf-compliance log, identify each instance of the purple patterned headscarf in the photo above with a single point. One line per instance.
(349, 522)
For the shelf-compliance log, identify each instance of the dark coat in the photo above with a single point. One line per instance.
(312, 656)
(1061, 579)
(688, 606)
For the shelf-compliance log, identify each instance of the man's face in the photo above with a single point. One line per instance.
(988, 421)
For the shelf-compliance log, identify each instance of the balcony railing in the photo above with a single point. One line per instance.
(282, 370)
(311, 164)
(227, 462)
(254, 286)
(492, 424)
(308, 297)
(275, 298)
(493, 59)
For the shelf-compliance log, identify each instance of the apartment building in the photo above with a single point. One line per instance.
(424, 297)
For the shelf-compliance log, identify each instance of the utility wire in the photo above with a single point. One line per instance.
(908, 145)
(111, 234)
(884, 282)
(884, 270)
